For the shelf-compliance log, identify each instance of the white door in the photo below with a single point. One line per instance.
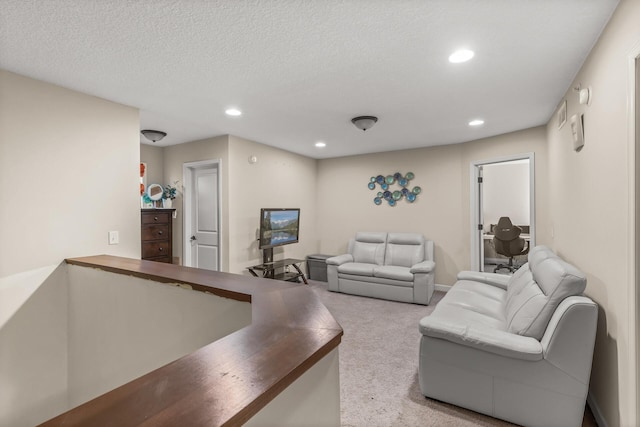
(202, 224)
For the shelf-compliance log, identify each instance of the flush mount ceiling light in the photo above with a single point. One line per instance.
(321, 144)
(476, 122)
(153, 135)
(462, 55)
(364, 122)
(233, 112)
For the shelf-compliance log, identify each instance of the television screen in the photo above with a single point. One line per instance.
(278, 227)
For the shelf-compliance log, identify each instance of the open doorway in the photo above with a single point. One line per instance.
(503, 187)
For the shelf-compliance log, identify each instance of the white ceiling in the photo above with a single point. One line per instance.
(301, 69)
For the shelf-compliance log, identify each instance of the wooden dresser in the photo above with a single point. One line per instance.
(157, 225)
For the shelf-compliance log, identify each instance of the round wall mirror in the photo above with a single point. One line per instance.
(155, 192)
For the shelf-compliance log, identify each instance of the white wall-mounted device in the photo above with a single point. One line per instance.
(577, 131)
(114, 238)
(584, 96)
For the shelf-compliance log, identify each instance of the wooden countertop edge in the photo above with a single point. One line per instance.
(290, 332)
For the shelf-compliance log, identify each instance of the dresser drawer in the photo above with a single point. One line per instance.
(156, 249)
(155, 232)
(155, 218)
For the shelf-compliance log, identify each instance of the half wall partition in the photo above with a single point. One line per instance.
(115, 341)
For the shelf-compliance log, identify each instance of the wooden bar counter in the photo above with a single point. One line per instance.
(228, 381)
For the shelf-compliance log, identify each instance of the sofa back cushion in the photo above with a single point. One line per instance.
(404, 249)
(368, 247)
(537, 288)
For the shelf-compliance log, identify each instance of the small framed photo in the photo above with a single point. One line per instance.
(562, 114)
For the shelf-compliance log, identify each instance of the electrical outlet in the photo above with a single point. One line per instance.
(114, 238)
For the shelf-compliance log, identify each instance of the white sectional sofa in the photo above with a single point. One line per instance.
(392, 266)
(517, 348)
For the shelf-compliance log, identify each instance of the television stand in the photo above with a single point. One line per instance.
(278, 270)
(267, 255)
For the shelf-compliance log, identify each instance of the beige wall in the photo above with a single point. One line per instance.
(590, 204)
(174, 158)
(345, 204)
(279, 179)
(442, 210)
(70, 164)
(336, 202)
(33, 346)
(154, 158)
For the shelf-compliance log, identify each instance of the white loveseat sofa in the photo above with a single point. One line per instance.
(517, 348)
(392, 266)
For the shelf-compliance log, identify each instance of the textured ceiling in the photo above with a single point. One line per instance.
(301, 69)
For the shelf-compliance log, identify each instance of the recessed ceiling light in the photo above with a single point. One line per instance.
(476, 122)
(320, 144)
(233, 112)
(462, 55)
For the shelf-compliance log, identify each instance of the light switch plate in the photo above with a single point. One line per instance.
(114, 238)
(577, 131)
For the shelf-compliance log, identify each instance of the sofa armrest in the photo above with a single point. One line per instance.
(570, 337)
(497, 280)
(426, 266)
(340, 259)
(484, 339)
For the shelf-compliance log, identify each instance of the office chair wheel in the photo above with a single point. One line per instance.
(509, 268)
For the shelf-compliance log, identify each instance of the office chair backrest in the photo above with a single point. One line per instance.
(505, 230)
(507, 240)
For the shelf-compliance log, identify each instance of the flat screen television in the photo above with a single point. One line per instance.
(279, 227)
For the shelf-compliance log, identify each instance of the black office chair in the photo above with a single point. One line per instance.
(507, 242)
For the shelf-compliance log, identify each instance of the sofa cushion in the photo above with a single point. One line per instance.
(368, 247)
(357, 268)
(537, 288)
(404, 249)
(470, 304)
(394, 272)
(374, 280)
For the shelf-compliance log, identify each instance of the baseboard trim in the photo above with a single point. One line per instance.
(443, 288)
(595, 410)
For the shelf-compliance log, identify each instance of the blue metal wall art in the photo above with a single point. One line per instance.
(390, 195)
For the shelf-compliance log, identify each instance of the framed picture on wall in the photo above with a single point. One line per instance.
(562, 114)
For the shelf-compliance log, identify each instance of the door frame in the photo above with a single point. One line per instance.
(475, 214)
(187, 178)
(633, 264)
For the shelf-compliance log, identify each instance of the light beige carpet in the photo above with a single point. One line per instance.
(379, 365)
